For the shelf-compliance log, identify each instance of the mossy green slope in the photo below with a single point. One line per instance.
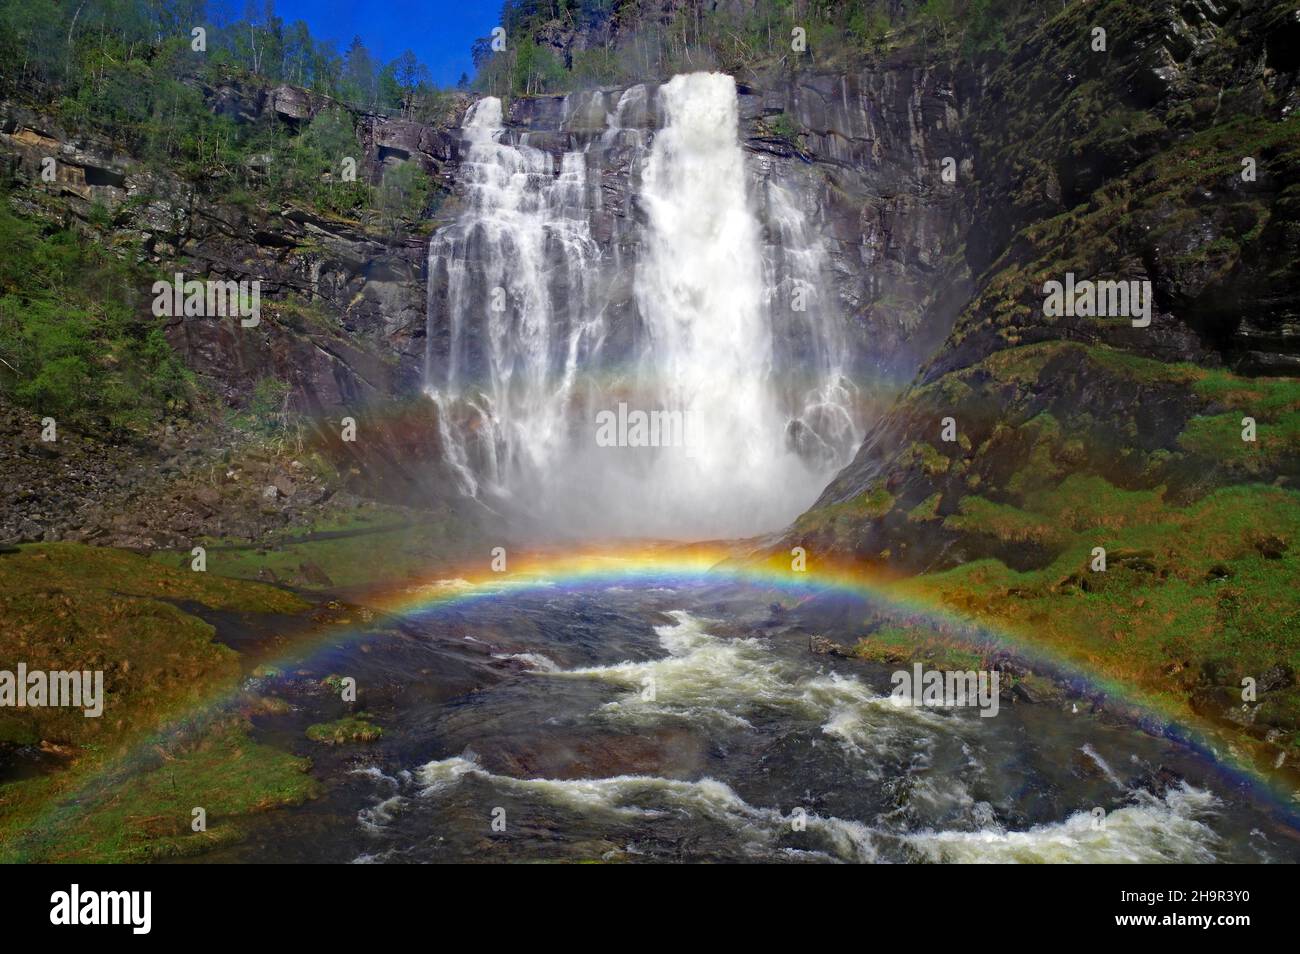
(132, 777)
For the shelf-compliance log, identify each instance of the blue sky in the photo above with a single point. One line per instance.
(440, 32)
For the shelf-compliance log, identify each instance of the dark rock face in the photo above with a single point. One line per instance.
(189, 484)
(868, 153)
(1140, 174)
(1136, 170)
(388, 139)
(84, 172)
(360, 343)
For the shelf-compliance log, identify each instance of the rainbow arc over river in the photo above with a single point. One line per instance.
(594, 568)
(675, 564)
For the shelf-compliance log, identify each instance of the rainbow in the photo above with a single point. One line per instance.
(669, 564)
(596, 567)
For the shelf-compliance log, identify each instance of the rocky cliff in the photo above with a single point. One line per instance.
(1121, 491)
(1168, 158)
(347, 297)
(945, 194)
(341, 334)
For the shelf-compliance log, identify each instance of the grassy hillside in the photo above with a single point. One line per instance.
(121, 787)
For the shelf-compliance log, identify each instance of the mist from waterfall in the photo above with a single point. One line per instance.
(537, 340)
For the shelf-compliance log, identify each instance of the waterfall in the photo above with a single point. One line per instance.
(680, 377)
(513, 268)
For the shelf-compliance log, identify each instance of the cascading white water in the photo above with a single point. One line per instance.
(500, 268)
(817, 390)
(709, 353)
(533, 342)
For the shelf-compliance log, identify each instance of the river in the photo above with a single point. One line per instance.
(689, 721)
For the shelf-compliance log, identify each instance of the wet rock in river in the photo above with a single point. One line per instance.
(822, 646)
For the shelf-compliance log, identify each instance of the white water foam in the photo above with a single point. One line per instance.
(1169, 830)
(647, 798)
(721, 682)
(530, 333)
(724, 682)
(1153, 830)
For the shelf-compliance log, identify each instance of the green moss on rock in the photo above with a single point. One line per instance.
(353, 728)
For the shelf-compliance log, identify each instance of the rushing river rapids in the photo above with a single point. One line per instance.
(530, 710)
